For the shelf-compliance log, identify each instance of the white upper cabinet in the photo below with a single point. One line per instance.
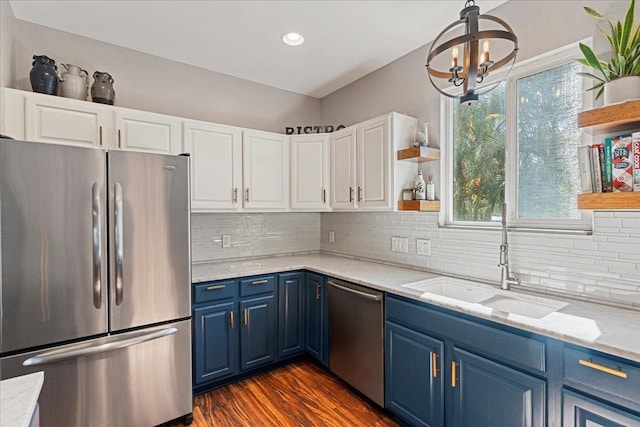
(149, 132)
(216, 166)
(343, 169)
(373, 164)
(265, 159)
(310, 172)
(364, 172)
(66, 121)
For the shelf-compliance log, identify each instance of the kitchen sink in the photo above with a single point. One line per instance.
(535, 308)
(462, 290)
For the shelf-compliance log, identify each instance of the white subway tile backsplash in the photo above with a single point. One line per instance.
(586, 266)
(258, 234)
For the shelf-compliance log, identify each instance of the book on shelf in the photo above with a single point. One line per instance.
(607, 181)
(596, 172)
(584, 163)
(635, 140)
(612, 166)
(622, 162)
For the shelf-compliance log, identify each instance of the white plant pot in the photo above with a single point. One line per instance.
(622, 89)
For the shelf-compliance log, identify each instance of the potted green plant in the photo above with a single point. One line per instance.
(618, 79)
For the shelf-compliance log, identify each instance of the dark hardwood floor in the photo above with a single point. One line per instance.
(300, 394)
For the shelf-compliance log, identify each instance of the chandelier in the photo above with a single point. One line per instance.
(469, 66)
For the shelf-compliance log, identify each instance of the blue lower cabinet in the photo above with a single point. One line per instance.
(290, 314)
(414, 387)
(215, 342)
(582, 411)
(489, 394)
(316, 317)
(258, 332)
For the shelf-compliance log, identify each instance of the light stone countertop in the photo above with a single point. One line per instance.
(18, 399)
(609, 329)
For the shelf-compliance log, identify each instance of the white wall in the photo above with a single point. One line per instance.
(604, 266)
(7, 45)
(151, 83)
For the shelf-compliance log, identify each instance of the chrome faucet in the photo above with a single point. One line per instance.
(507, 277)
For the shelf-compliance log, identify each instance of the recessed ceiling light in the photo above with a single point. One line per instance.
(293, 39)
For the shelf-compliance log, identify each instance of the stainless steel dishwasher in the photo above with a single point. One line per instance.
(356, 337)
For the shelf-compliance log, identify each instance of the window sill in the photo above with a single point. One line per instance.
(512, 229)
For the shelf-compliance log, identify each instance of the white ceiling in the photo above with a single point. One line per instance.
(344, 40)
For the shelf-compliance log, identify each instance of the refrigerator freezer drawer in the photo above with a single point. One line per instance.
(135, 378)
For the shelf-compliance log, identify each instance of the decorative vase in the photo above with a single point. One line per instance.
(420, 187)
(44, 75)
(102, 88)
(73, 83)
(622, 89)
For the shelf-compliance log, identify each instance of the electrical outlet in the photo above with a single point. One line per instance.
(400, 244)
(332, 236)
(423, 247)
(226, 240)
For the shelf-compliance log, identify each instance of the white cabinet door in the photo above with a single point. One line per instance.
(310, 172)
(343, 169)
(12, 113)
(373, 154)
(67, 121)
(216, 166)
(149, 132)
(265, 158)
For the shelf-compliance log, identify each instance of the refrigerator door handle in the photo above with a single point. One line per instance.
(119, 244)
(97, 245)
(72, 353)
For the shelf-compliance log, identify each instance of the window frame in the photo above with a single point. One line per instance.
(537, 64)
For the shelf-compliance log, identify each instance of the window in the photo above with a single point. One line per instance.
(518, 145)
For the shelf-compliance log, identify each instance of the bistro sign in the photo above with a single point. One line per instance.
(312, 129)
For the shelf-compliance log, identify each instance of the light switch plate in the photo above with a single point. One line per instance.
(226, 240)
(423, 247)
(332, 236)
(400, 244)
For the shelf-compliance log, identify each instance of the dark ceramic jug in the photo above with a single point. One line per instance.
(102, 88)
(44, 75)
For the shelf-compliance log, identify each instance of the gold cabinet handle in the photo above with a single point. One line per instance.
(454, 365)
(246, 316)
(602, 368)
(119, 139)
(434, 364)
(350, 194)
(100, 136)
(215, 287)
(260, 282)
(359, 193)
(318, 291)
(235, 195)
(231, 322)
(246, 195)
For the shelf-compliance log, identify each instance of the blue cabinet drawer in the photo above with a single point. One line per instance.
(518, 350)
(213, 291)
(257, 285)
(607, 374)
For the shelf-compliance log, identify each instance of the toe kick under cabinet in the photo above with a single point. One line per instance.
(444, 368)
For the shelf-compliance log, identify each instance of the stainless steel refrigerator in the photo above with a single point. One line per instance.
(95, 285)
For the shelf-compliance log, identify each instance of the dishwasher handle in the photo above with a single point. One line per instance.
(377, 297)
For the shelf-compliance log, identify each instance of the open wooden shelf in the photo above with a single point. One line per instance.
(606, 201)
(419, 154)
(610, 118)
(419, 205)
